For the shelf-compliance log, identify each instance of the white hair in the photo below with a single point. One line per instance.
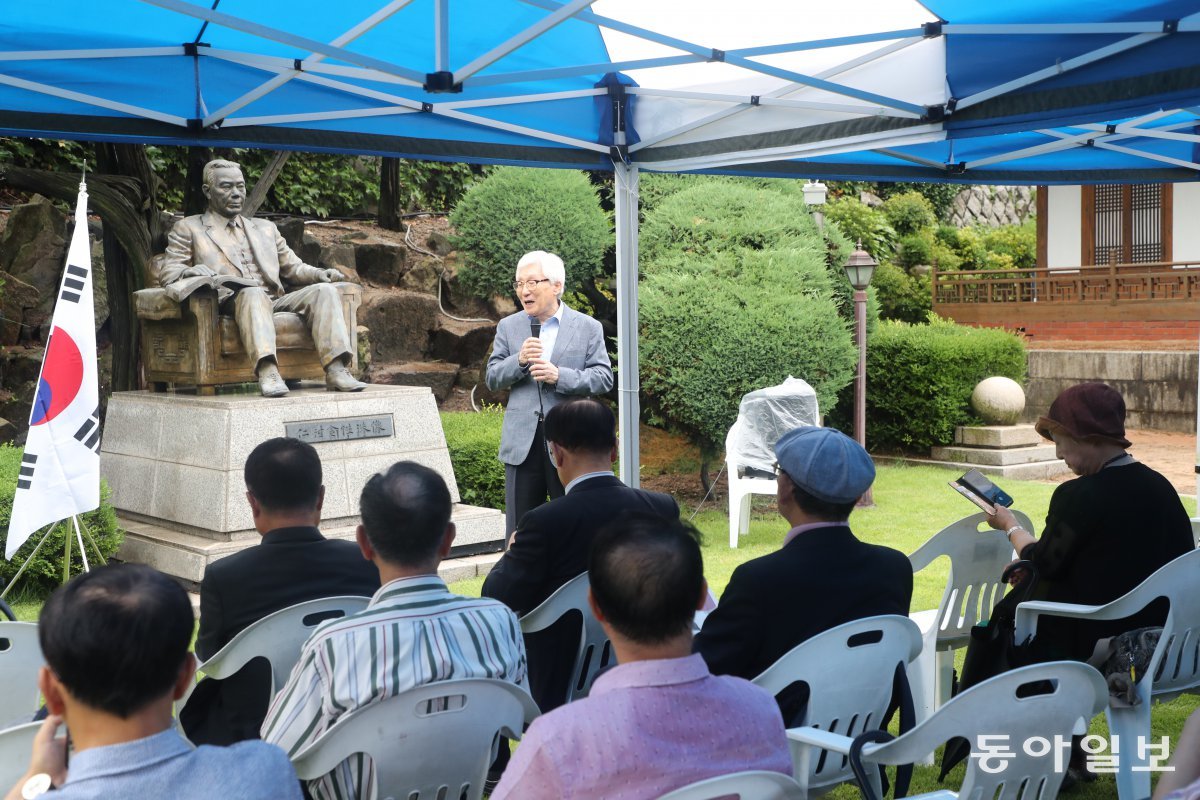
(552, 267)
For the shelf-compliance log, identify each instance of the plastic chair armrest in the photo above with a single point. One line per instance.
(1029, 611)
(824, 740)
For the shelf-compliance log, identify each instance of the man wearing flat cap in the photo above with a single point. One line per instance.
(820, 578)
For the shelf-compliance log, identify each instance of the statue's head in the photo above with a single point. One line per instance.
(225, 187)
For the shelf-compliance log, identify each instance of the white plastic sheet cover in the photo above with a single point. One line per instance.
(763, 416)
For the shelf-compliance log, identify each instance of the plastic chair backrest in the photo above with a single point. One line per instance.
(850, 671)
(994, 718)
(749, 785)
(978, 555)
(20, 660)
(279, 637)
(16, 751)
(594, 652)
(434, 741)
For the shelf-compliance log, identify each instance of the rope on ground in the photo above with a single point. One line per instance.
(413, 245)
(711, 486)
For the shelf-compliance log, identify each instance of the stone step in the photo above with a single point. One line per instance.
(1038, 471)
(185, 556)
(439, 376)
(997, 436)
(995, 458)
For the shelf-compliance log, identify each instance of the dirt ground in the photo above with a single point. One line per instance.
(1172, 454)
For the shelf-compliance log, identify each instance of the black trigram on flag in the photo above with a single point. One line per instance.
(73, 285)
(89, 431)
(25, 478)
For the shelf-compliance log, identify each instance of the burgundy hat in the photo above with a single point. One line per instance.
(1086, 411)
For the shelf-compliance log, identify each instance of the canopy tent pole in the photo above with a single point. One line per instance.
(625, 183)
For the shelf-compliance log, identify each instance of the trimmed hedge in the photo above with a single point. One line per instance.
(44, 573)
(474, 441)
(920, 379)
(514, 211)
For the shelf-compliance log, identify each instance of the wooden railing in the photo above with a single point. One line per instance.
(1166, 282)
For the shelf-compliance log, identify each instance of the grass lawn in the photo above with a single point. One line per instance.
(911, 504)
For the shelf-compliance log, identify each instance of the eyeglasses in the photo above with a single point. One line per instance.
(532, 284)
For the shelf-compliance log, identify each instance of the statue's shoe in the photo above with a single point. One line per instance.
(270, 382)
(339, 379)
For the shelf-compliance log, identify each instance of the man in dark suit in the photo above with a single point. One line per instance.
(565, 358)
(292, 564)
(552, 542)
(822, 577)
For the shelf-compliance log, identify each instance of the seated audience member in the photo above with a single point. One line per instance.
(292, 564)
(406, 531)
(552, 542)
(820, 578)
(1182, 780)
(116, 642)
(659, 720)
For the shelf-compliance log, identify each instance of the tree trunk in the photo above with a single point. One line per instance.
(263, 185)
(126, 269)
(705, 478)
(194, 201)
(389, 194)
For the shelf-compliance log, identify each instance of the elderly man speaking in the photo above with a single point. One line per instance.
(543, 353)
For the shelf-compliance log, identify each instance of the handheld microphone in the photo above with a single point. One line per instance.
(535, 326)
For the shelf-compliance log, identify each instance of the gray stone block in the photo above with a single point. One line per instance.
(986, 456)
(996, 436)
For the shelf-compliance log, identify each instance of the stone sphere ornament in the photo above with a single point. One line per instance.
(998, 400)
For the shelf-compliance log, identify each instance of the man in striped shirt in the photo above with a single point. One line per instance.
(413, 632)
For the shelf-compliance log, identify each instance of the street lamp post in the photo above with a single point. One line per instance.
(814, 198)
(860, 267)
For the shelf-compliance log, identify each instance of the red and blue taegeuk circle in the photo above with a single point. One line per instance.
(62, 375)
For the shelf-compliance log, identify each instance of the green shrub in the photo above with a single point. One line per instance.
(859, 222)
(516, 210)
(908, 213)
(44, 573)
(1018, 242)
(920, 379)
(902, 296)
(474, 441)
(716, 326)
(915, 249)
(966, 243)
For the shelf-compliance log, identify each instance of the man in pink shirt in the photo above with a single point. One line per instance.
(660, 720)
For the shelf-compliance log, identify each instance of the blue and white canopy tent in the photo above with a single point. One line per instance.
(972, 91)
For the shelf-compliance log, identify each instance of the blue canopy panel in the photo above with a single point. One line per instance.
(176, 74)
(1152, 64)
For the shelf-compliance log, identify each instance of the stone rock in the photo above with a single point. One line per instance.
(382, 264)
(16, 298)
(998, 400)
(33, 248)
(303, 244)
(338, 256)
(462, 342)
(8, 432)
(400, 324)
(438, 376)
(99, 284)
(870, 199)
(423, 276)
(502, 305)
(439, 243)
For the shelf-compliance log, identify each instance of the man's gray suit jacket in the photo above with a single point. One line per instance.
(583, 369)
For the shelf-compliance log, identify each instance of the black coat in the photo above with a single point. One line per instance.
(290, 566)
(550, 547)
(823, 578)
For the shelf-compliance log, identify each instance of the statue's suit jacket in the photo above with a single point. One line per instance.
(550, 547)
(583, 369)
(201, 240)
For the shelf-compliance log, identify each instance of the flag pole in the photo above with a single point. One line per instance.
(28, 561)
(79, 538)
(66, 557)
(88, 535)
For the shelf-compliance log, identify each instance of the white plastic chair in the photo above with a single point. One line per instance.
(1173, 670)
(20, 661)
(849, 671)
(594, 652)
(978, 555)
(433, 741)
(992, 717)
(16, 751)
(740, 490)
(279, 638)
(754, 784)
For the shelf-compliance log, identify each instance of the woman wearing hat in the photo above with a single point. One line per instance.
(1106, 531)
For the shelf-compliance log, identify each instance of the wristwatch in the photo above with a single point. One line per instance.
(36, 786)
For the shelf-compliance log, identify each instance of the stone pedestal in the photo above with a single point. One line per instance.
(1010, 451)
(174, 464)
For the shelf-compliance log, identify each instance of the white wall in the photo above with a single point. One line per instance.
(1064, 208)
(1186, 232)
